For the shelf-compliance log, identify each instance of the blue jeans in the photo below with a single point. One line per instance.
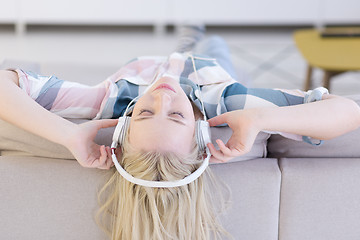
(216, 47)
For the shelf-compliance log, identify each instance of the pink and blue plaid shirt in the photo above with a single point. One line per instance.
(109, 99)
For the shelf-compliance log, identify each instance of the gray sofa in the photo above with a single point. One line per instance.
(282, 189)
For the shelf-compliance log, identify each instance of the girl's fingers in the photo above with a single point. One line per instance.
(218, 155)
(215, 160)
(109, 162)
(103, 158)
(221, 119)
(225, 153)
(223, 148)
(105, 123)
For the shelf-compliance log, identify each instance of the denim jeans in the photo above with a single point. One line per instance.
(216, 47)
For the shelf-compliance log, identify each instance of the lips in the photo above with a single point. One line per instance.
(165, 86)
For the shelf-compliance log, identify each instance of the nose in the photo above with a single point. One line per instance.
(162, 102)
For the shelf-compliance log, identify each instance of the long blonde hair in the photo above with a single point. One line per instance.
(129, 211)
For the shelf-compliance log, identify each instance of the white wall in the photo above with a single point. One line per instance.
(160, 12)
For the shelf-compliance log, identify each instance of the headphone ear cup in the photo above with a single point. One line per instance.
(202, 133)
(121, 130)
(124, 130)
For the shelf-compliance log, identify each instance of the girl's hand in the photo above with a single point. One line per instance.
(85, 150)
(243, 124)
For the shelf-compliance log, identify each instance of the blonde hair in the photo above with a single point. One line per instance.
(129, 211)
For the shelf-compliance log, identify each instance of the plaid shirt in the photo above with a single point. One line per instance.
(199, 77)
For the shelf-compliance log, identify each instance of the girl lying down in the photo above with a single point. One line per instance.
(161, 187)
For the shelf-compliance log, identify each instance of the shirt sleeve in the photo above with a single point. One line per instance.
(236, 97)
(64, 98)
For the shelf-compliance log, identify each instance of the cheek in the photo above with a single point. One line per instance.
(132, 133)
(139, 134)
(187, 107)
(134, 140)
(137, 108)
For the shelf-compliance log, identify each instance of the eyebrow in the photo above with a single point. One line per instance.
(171, 119)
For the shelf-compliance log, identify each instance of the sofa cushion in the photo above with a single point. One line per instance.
(15, 141)
(44, 198)
(320, 199)
(342, 146)
(255, 187)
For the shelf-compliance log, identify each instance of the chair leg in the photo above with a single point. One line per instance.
(326, 79)
(308, 79)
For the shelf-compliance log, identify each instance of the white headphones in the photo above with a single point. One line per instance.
(202, 135)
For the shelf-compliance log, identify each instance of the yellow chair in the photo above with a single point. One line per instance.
(334, 55)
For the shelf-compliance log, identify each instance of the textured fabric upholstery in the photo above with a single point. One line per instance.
(320, 198)
(45, 198)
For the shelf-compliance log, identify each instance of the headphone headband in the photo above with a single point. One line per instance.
(202, 135)
(160, 184)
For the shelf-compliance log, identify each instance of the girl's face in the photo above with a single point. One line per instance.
(163, 119)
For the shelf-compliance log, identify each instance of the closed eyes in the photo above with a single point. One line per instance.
(142, 111)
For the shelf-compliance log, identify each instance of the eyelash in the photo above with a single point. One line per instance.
(178, 113)
(145, 110)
